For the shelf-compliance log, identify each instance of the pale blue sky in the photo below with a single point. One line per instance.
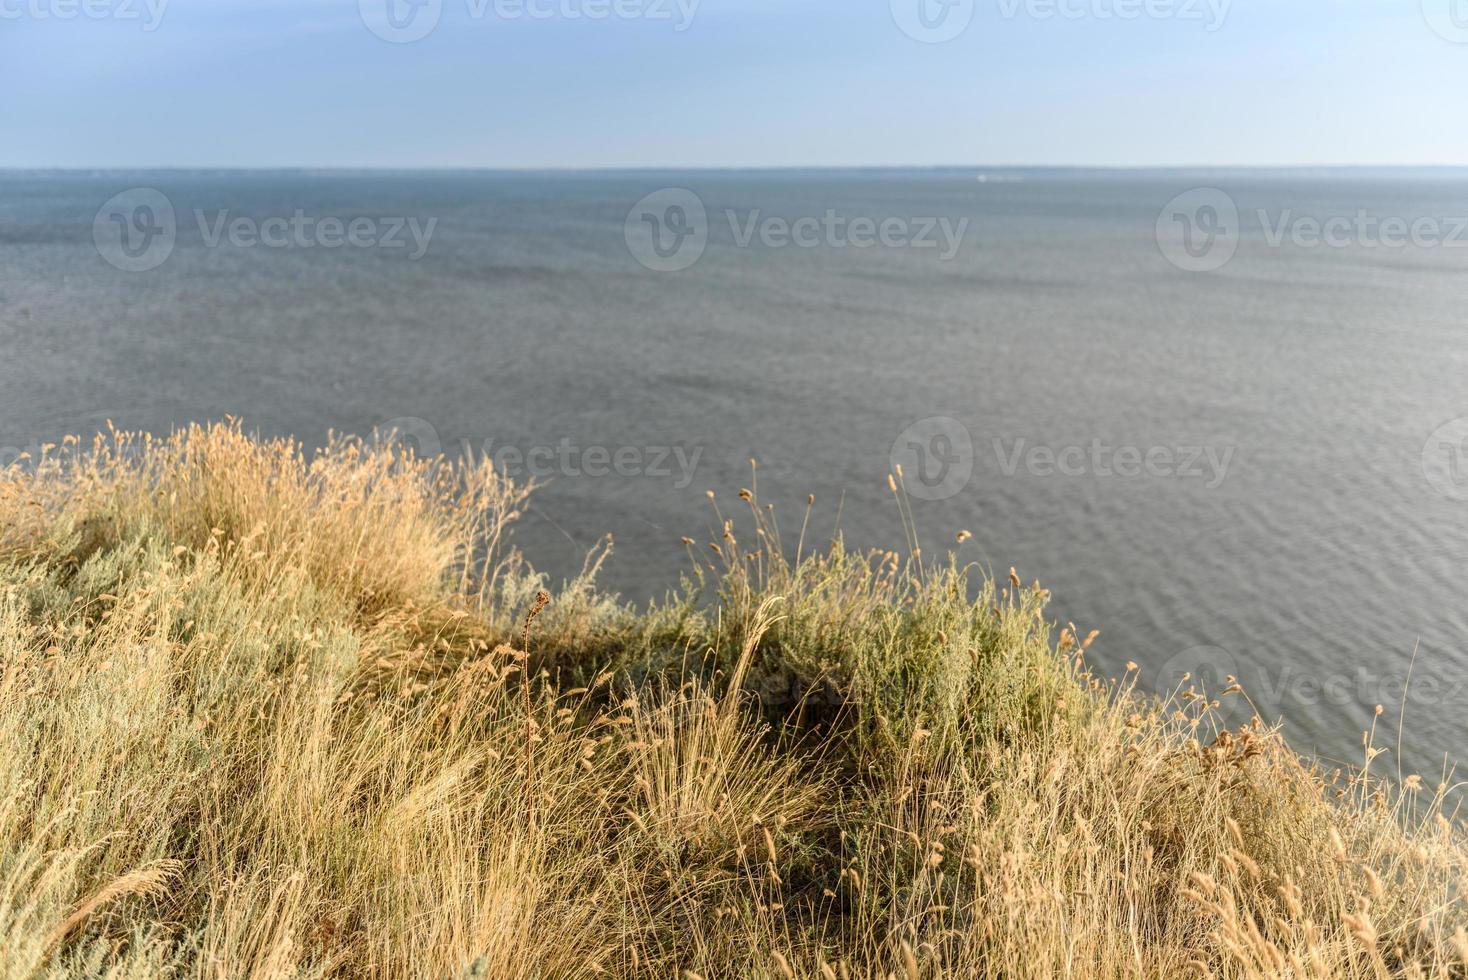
(260, 83)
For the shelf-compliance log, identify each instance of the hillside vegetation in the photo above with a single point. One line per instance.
(271, 715)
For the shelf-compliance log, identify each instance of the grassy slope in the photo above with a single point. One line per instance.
(262, 716)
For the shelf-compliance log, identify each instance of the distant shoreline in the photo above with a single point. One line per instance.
(1326, 171)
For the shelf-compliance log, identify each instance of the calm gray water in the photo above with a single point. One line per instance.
(1242, 467)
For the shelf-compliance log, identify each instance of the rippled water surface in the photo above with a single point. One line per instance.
(1234, 468)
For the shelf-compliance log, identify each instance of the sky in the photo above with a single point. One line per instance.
(731, 83)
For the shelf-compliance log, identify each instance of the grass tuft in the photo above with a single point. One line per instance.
(268, 714)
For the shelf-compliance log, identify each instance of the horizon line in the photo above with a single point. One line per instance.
(772, 168)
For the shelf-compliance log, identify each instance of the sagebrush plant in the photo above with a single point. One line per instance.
(265, 714)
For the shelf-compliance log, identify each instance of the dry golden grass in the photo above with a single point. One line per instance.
(270, 716)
